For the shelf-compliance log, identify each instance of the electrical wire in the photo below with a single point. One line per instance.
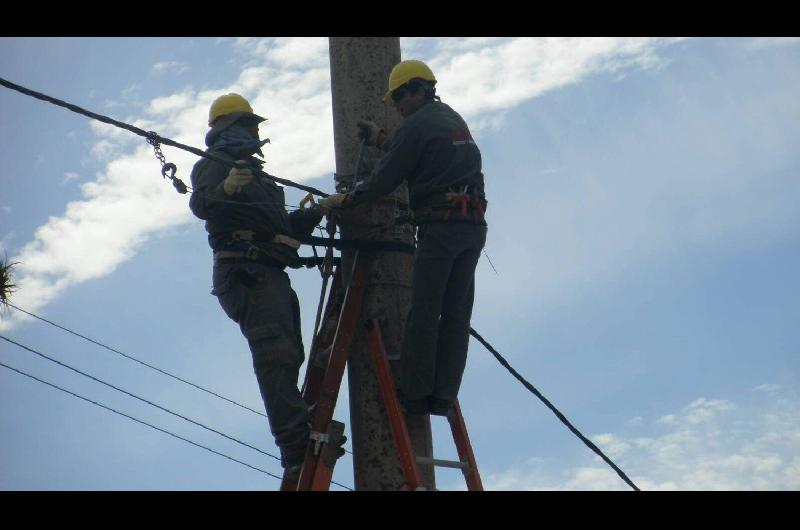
(132, 358)
(555, 411)
(149, 403)
(152, 137)
(137, 420)
(93, 378)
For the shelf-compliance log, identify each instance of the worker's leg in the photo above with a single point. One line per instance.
(451, 356)
(432, 263)
(262, 301)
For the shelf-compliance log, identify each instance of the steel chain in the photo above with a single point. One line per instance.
(166, 167)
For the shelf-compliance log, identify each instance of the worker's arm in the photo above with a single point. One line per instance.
(303, 221)
(213, 184)
(399, 162)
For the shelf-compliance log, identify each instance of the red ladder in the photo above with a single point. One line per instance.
(402, 440)
(321, 390)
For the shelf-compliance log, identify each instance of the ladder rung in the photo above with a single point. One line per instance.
(442, 463)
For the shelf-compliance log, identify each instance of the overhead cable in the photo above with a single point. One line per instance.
(152, 138)
(150, 403)
(93, 378)
(132, 358)
(549, 405)
(138, 420)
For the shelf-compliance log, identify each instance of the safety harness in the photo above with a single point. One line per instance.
(441, 207)
(266, 248)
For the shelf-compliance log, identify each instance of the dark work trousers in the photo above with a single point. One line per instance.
(261, 300)
(436, 337)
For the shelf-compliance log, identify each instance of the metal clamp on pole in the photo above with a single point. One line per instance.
(319, 438)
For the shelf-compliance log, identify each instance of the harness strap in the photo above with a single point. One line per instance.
(265, 237)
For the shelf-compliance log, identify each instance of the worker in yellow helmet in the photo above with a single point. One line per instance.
(433, 150)
(253, 239)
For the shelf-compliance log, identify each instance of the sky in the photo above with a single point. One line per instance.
(643, 225)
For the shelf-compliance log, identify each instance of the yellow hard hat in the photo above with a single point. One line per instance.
(404, 72)
(228, 104)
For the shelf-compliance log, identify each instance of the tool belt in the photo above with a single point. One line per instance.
(274, 250)
(465, 206)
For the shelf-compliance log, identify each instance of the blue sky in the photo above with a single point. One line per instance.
(643, 223)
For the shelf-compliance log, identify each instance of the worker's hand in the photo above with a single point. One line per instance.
(336, 200)
(371, 133)
(308, 199)
(237, 178)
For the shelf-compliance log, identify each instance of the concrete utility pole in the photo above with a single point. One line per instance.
(360, 69)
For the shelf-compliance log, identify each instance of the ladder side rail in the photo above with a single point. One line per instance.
(465, 454)
(397, 423)
(329, 390)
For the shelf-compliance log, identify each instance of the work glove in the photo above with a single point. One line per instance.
(336, 200)
(237, 178)
(371, 133)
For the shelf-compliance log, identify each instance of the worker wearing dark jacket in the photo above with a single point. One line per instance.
(434, 152)
(252, 237)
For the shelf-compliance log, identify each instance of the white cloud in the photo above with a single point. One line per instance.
(286, 80)
(103, 149)
(484, 74)
(127, 92)
(108, 223)
(711, 444)
(172, 103)
(70, 175)
(170, 67)
(5, 209)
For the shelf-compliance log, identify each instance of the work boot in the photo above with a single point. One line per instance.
(439, 406)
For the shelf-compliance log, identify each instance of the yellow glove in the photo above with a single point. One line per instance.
(335, 200)
(371, 133)
(237, 178)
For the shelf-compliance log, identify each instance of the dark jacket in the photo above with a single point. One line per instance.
(259, 206)
(433, 150)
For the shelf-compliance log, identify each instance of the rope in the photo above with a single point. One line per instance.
(549, 405)
(151, 136)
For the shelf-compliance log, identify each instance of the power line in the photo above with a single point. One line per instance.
(149, 403)
(549, 405)
(138, 397)
(139, 421)
(152, 138)
(137, 360)
(132, 358)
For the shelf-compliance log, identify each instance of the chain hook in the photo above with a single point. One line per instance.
(169, 167)
(166, 167)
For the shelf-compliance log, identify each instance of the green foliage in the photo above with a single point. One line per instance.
(6, 285)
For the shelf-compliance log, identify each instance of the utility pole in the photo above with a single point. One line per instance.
(360, 68)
